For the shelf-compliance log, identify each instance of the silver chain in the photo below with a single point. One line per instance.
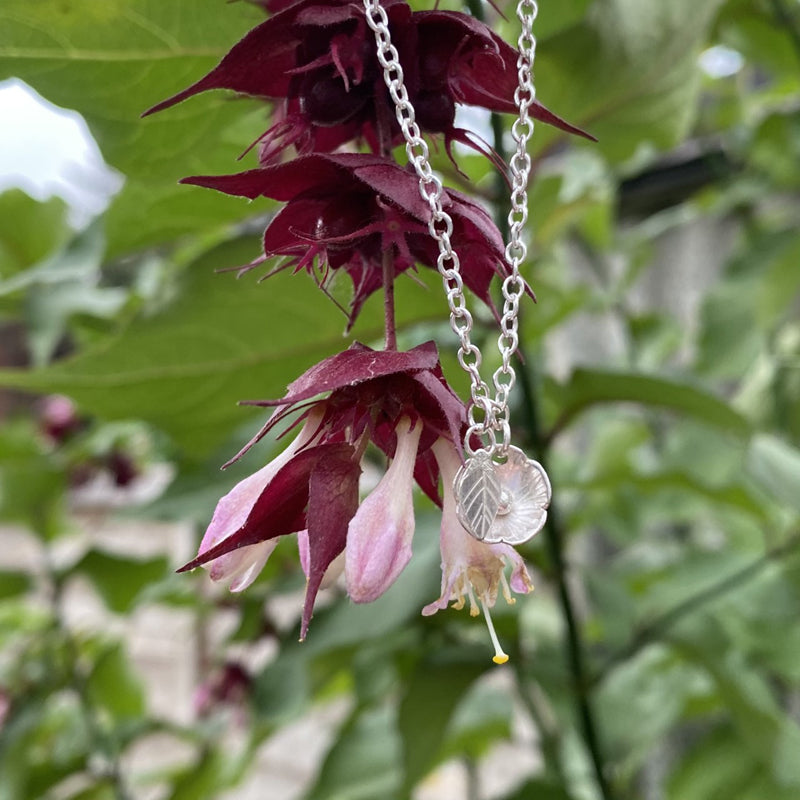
(488, 415)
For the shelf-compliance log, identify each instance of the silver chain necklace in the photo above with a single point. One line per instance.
(501, 494)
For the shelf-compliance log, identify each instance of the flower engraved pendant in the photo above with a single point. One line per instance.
(502, 502)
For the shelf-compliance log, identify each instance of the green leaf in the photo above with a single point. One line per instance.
(64, 286)
(42, 744)
(775, 466)
(641, 701)
(627, 72)
(776, 149)
(482, 717)
(216, 770)
(185, 369)
(29, 230)
(363, 763)
(677, 483)
(752, 29)
(31, 484)
(586, 388)
(120, 580)
(105, 790)
(434, 690)
(716, 767)
(113, 686)
(771, 736)
(554, 17)
(281, 690)
(13, 584)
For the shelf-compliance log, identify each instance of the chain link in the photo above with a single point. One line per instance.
(488, 416)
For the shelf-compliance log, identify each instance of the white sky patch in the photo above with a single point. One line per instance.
(477, 120)
(720, 61)
(46, 150)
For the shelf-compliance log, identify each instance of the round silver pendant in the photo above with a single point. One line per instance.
(502, 502)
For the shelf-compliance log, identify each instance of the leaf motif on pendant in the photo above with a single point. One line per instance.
(478, 490)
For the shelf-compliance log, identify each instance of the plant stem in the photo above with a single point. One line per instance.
(384, 133)
(553, 531)
(554, 539)
(390, 327)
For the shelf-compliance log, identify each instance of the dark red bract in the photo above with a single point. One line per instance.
(318, 59)
(370, 396)
(346, 210)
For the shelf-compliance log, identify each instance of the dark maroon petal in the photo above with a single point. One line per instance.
(543, 114)
(396, 184)
(455, 24)
(279, 509)
(290, 229)
(339, 221)
(332, 503)
(356, 365)
(258, 64)
(280, 182)
(450, 405)
(477, 224)
(426, 474)
(326, 14)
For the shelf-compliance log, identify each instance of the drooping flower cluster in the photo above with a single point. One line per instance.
(361, 214)
(317, 60)
(344, 211)
(398, 401)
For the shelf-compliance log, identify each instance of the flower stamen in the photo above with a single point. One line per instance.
(506, 590)
(499, 657)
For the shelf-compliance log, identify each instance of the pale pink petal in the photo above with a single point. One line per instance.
(442, 602)
(520, 580)
(241, 567)
(379, 535)
(304, 551)
(232, 510)
(334, 570)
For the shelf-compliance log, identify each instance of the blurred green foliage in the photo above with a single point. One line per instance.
(661, 385)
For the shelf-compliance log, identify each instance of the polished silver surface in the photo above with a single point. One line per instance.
(479, 494)
(502, 502)
(525, 492)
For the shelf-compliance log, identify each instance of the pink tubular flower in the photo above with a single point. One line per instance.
(317, 58)
(397, 400)
(347, 210)
(472, 569)
(379, 535)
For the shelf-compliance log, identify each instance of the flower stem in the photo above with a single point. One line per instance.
(389, 323)
(384, 133)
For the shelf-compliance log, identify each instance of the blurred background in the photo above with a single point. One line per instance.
(658, 658)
